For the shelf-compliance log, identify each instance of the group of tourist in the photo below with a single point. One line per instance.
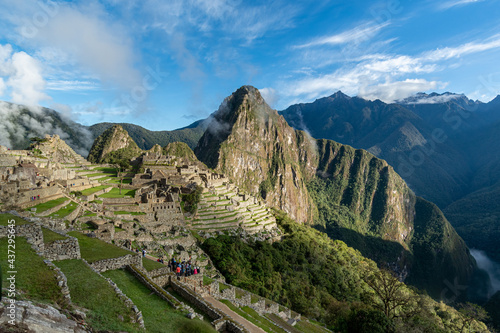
(183, 268)
(179, 268)
(36, 197)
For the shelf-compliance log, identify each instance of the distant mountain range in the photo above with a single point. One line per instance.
(445, 146)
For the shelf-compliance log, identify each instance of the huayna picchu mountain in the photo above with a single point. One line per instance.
(349, 193)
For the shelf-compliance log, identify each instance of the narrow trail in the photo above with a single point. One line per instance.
(236, 317)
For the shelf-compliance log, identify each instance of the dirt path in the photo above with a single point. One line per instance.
(239, 319)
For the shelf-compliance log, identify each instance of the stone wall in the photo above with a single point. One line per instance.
(120, 201)
(116, 263)
(193, 298)
(23, 199)
(53, 209)
(62, 249)
(62, 282)
(32, 232)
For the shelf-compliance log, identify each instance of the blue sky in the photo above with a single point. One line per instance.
(164, 64)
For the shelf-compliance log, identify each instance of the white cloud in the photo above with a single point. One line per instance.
(455, 3)
(270, 95)
(461, 50)
(356, 35)
(426, 99)
(72, 85)
(392, 91)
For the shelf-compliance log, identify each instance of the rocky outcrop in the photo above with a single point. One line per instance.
(116, 143)
(28, 317)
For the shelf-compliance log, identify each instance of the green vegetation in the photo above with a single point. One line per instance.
(327, 280)
(150, 265)
(93, 249)
(35, 280)
(158, 315)
(146, 139)
(6, 217)
(65, 211)
(252, 316)
(123, 212)
(89, 290)
(93, 190)
(190, 201)
(49, 236)
(40, 208)
(104, 142)
(115, 193)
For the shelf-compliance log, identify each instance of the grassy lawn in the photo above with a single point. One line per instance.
(40, 208)
(207, 280)
(49, 236)
(150, 265)
(93, 249)
(6, 217)
(222, 287)
(158, 315)
(65, 211)
(252, 316)
(34, 279)
(115, 193)
(92, 292)
(106, 170)
(123, 212)
(92, 190)
(116, 180)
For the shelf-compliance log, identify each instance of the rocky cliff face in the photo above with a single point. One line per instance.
(114, 142)
(255, 147)
(334, 186)
(55, 150)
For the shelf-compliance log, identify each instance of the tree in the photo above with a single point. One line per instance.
(392, 298)
(120, 164)
(470, 314)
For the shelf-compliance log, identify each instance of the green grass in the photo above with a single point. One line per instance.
(96, 201)
(93, 249)
(253, 317)
(158, 315)
(123, 212)
(115, 193)
(6, 217)
(40, 208)
(93, 190)
(207, 280)
(49, 236)
(116, 180)
(65, 211)
(107, 170)
(92, 292)
(88, 213)
(306, 326)
(150, 265)
(34, 280)
(222, 287)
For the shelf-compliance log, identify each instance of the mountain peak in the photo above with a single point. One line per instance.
(340, 95)
(113, 143)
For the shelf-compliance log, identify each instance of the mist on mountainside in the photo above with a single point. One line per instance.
(491, 267)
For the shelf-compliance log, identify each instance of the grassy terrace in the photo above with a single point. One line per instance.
(106, 309)
(36, 280)
(6, 217)
(115, 193)
(48, 205)
(150, 265)
(116, 180)
(65, 211)
(217, 222)
(123, 212)
(252, 316)
(49, 236)
(93, 190)
(158, 315)
(93, 249)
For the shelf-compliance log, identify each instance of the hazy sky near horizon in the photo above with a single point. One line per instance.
(165, 64)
